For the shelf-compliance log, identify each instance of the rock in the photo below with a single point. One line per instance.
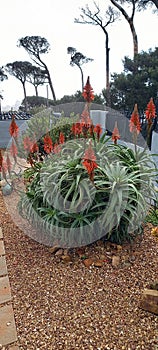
(2, 183)
(88, 262)
(66, 258)
(149, 301)
(125, 258)
(80, 251)
(103, 257)
(54, 249)
(119, 247)
(115, 260)
(7, 190)
(98, 263)
(59, 252)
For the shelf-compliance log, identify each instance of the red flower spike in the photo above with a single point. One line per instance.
(73, 128)
(98, 131)
(77, 128)
(56, 148)
(150, 111)
(91, 130)
(89, 161)
(48, 145)
(61, 138)
(85, 117)
(88, 93)
(134, 123)
(34, 147)
(115, 134)
(13, 129)
(27, 144)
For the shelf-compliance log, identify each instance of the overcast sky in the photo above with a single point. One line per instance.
(54, 20)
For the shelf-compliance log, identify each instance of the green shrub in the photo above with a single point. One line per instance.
(63, 202)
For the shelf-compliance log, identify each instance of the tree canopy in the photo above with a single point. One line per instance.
(3, 76)
(37, 77)
(78, 59)
(36, 46)
(20, 70)
(138, 81)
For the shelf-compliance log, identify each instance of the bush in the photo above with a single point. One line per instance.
(71, 209)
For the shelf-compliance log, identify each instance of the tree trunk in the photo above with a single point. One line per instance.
(25, 97)
(49, 78)
(135, 39)
(131, 24)
(107, 71)
(82, 80)
(108, 98)
(51, 85)
(155, 2)
(36, 90)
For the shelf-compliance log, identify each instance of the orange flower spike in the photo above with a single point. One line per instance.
(73, 129)
(91, 130)
(150, 111)
(13, 129)
(85, 117)
(56, 148)
(134, 123)
(48, 144)
(88, 93)
(34, 147)
(61, 138)
(27, 143)
(115, 134)
(98, 131)
(78, 129)
(89, 161)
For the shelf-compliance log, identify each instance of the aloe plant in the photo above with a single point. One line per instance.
(70, 209)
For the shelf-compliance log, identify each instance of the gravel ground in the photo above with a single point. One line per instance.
(60, 303)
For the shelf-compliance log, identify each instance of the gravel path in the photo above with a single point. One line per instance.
(61, 304)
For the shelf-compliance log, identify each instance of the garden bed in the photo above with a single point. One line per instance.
(70, 304)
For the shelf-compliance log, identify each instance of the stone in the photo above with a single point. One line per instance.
(13, 347)
(115, 260)
(54, 249)
(149, 301)
(98, 263)
(59, 252)
(5, 292)
(66, 258)
(3, 266)
(1, 234)
(7, 190)
(8, 334)
(2, 251)
(88, 262)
